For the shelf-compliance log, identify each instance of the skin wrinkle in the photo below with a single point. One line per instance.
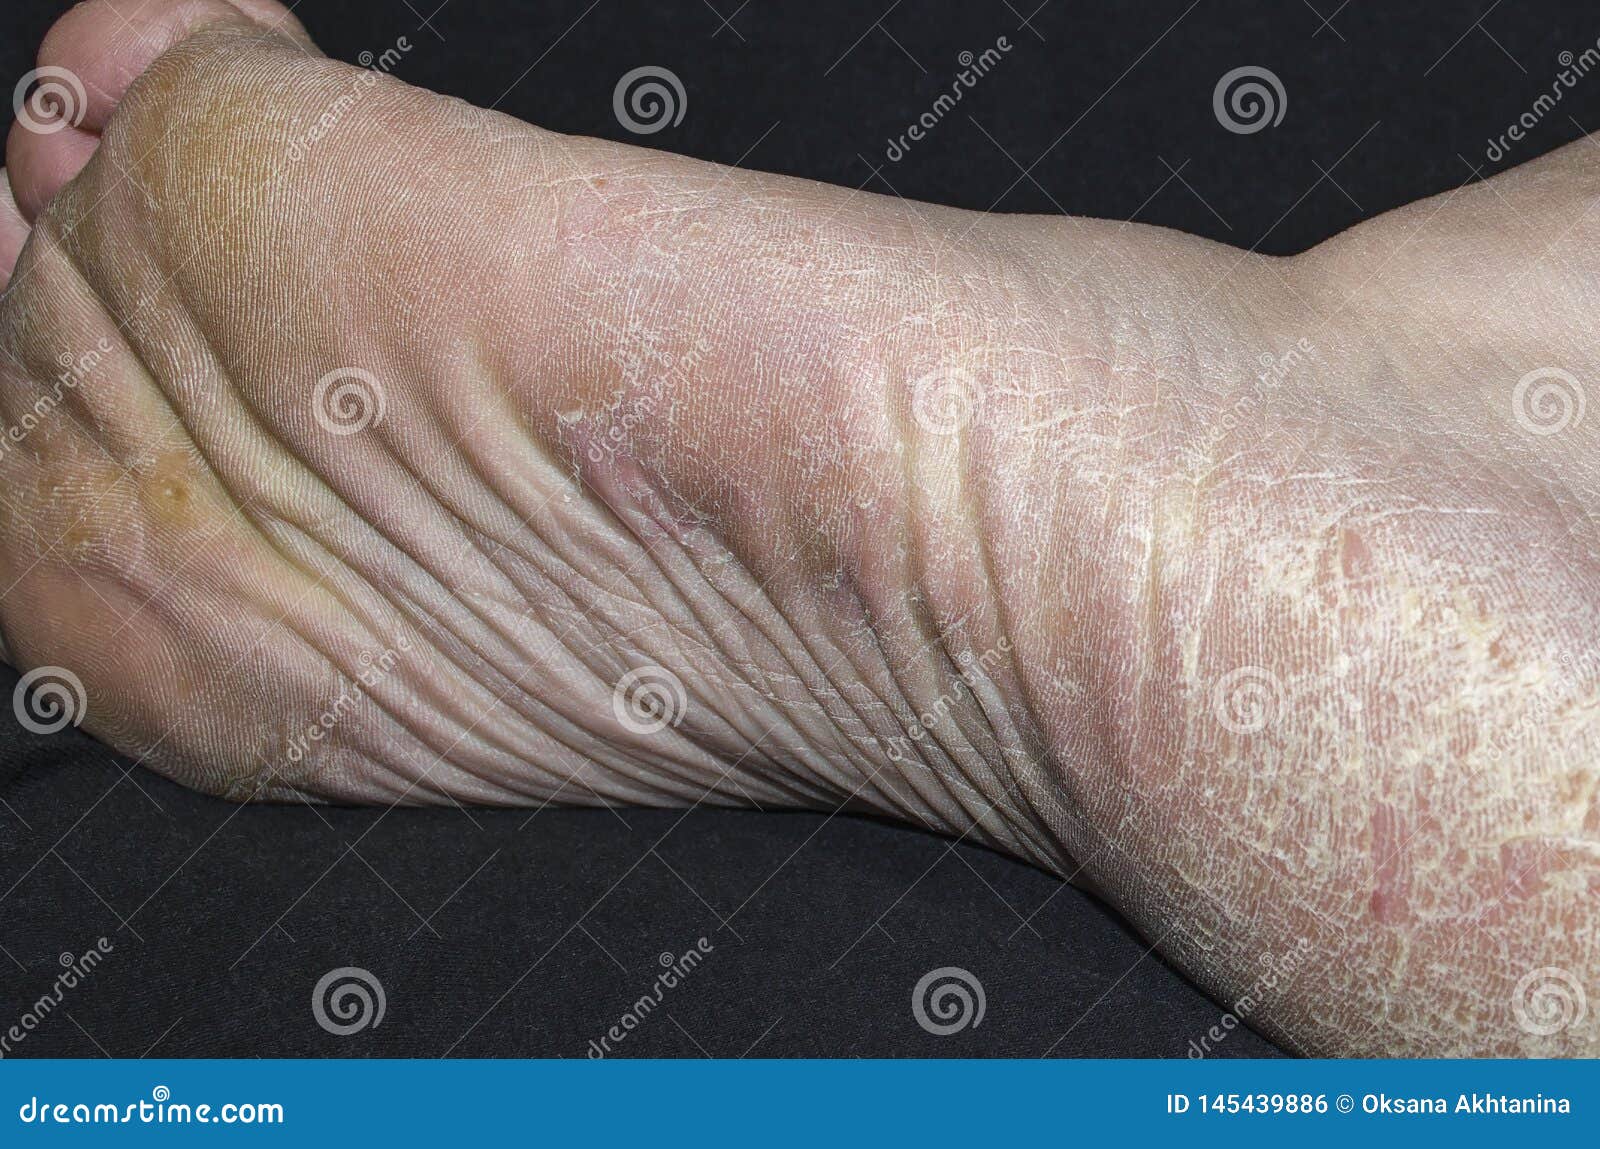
(416, 608)
(796, 637)
(463, 668)
(505, 745)
(687, 599)
(912, 447)
(836, 736)
(597, 646)
(248, 504)
(892, 719)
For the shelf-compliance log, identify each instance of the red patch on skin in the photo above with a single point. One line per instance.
(1355, 558)
(1347, 573)
(633, 492)
(1391, 880)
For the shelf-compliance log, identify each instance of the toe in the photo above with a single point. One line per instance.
(274, 17)
(87, 61)
(13, 234)
(41, 156)
(105, 49)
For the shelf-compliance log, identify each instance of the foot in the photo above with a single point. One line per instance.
(366, 446)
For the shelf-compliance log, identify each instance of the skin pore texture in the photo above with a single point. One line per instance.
(365, 446)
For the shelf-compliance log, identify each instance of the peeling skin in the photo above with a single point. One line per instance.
(1279, 665)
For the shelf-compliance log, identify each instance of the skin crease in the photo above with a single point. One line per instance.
(1244, 591)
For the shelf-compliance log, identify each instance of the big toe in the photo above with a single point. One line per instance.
(105, 51)
(86, 63)
(13, 231)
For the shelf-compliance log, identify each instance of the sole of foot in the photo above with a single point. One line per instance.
(365, 446)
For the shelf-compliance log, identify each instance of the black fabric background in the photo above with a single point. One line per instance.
(497, 933)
